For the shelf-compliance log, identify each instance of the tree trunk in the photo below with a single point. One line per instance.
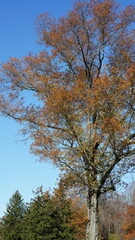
(92, 229)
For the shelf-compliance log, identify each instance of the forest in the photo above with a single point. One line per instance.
(80, 118)
(61, 216)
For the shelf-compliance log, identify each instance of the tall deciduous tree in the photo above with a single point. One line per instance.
(11, 225)
(84, 81)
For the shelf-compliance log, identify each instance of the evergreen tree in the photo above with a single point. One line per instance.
(47, 219)
(11, 224)
(66, 229)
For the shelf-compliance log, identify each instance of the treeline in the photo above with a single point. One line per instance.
(117, 215)
(58, 217)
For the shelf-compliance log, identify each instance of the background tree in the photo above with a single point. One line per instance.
(83, 120)
(66, 214)
(112, 208)
(48, 218)
(79, 216)
(129, 223)
(114, 214)
(11, 224)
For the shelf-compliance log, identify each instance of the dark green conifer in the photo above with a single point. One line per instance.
(11, 223)
(47, 219)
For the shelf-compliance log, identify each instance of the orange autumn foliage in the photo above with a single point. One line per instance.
(129, 223)
(79, 218)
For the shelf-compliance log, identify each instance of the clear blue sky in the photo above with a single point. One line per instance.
(19, 169)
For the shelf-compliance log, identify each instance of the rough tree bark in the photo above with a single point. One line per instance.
(92, 230)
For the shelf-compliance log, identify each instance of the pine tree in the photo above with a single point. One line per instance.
(66, 229)
(11, 225)
(47, 219)
(35, 222)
